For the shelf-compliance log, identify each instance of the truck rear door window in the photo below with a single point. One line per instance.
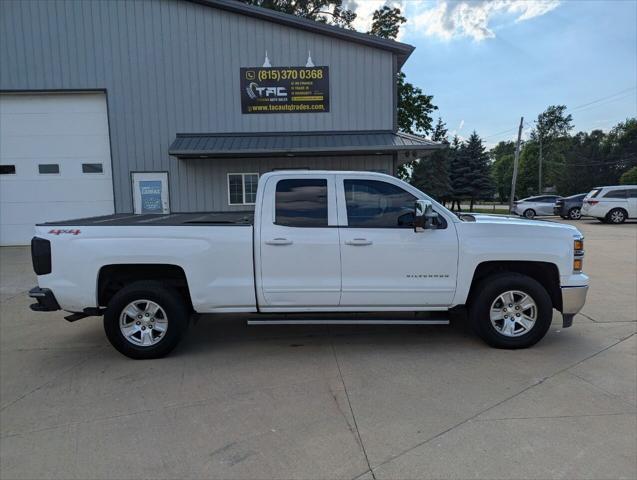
(373, 203)
(301, 202)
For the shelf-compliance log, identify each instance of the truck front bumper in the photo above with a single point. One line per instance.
(573, 299)
(46, 300)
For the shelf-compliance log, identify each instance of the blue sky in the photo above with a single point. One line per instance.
(488, 63)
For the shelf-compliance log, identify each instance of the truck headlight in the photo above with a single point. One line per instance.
(578, 254)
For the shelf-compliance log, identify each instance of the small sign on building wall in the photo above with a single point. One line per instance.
(150, 191)
(285, 90)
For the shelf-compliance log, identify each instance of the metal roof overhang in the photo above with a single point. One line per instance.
(291, 144)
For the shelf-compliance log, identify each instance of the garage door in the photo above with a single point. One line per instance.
(55, 161)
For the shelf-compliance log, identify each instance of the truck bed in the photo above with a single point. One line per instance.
(170, 219)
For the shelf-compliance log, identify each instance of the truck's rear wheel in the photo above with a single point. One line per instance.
(511, 310)
(145, 320)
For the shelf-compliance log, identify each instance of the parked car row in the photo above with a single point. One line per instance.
(612, 204)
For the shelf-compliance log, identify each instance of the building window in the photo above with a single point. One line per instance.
(242, 188)
(7, 169)
(301, 203)
(49, 168)
(92, 168)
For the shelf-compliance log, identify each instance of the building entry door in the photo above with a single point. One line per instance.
(150, 192)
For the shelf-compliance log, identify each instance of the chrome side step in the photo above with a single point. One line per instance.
(348, 322)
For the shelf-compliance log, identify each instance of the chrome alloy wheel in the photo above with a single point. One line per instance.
(143, 323)
(617, 216)
(575, 214)
(513, 313)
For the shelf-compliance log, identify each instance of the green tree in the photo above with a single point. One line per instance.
(323, 11)
(457, 173)
(431, 174)
(386, 22)
(629, 177)
(551, 124)
(475, 168)
(502, 156)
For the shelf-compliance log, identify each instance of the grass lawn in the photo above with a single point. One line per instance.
(497, 211)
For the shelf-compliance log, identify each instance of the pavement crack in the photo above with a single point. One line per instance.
(611, 321)
(497, 404)
(549, 417)
(351, 409)
(48, 382)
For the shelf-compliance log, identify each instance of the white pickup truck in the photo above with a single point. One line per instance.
(322, 247)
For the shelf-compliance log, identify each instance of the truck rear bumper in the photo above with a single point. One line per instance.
(573, 299)
(46, 300)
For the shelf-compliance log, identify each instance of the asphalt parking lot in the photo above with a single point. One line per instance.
(315, 402)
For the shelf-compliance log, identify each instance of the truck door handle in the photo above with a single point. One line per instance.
(359, 242)
(279, 241)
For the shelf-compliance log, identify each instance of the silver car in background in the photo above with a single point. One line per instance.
(533, 206)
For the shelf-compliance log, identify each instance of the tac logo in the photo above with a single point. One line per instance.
(254, 91)
(57, 231)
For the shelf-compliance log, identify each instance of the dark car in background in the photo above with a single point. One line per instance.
(570, 207)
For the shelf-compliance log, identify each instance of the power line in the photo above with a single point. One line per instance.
(603, 98)
(611, 97)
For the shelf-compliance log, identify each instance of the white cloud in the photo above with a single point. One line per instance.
(365, 10)
(473, 18)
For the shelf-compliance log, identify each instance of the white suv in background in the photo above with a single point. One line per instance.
(611, 204)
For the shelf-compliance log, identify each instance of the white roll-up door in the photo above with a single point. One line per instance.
(55, 161)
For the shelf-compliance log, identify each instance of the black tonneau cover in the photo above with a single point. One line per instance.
(169, 219)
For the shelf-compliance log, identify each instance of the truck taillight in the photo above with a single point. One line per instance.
(41, 255)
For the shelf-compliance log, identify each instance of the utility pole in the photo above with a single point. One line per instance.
(539, 178)
(515, 165)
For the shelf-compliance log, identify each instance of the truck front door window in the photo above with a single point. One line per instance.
(373, 203)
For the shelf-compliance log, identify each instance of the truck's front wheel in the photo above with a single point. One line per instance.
(145, 320)
(511, 310)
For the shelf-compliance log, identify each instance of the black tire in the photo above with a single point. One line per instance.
(488, 291)
(529, 213)
(616, 216)
(575, 213)
(603, 219)
(176, 313)
(565, 218)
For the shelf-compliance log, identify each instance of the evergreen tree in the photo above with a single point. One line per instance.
(431, 174)
(472, 176)
(456, 174)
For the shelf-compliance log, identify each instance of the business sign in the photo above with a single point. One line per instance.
(150, 191)
(285, 90)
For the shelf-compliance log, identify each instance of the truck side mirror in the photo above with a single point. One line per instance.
(424, 216)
